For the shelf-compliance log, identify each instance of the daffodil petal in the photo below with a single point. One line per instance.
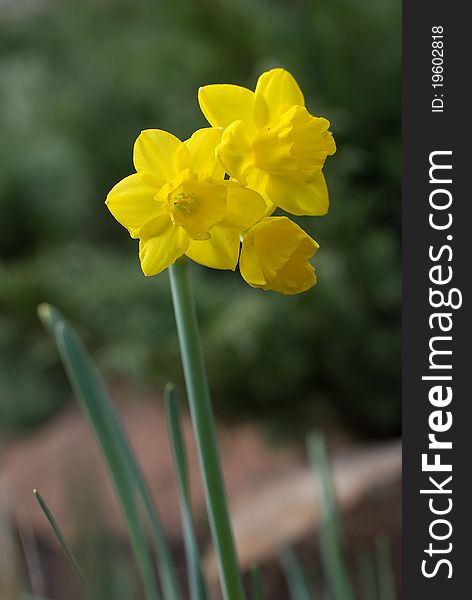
(298, 196)
(224, 103)
(202, 153)
(219, 252)
(235, 151)
(132, 203)
(160, 251)
(279, 91)
(243, 206)
(257, 181)
(249, 265)
(159, 154)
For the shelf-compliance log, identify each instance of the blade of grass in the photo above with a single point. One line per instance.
(195, 576)
(385, 574)
(256, 584)
(296, 582)
(90, 391)
(368, 582)
(64, 545)
(330, 527)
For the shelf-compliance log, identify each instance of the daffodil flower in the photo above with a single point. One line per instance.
(275, 256)
(178, 202)
(271, 143)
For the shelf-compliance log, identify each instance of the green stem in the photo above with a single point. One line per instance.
(203, 423)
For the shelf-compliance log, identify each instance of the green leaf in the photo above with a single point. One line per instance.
(368, 582)
(64, 545)
(130, 487)
(296, 581)
(384, 569)
(330, 527)
(195, 576)
(256, 584)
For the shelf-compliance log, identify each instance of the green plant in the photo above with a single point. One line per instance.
(140, 514)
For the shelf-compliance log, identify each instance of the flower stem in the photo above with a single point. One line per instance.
(203, 423)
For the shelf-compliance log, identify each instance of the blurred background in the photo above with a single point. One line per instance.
(78, 82)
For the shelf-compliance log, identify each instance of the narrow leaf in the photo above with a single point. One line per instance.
(385, 574)
(51, 317)
(90, 391)
(330, 527)
(195, 576)
(368, 582)
(296, 582)
(256, 584)
(64, 545)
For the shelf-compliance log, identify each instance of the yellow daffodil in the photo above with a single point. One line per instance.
(275, 256)
(271, 143)
(178, 202)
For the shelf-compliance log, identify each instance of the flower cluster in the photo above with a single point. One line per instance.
(201, 198)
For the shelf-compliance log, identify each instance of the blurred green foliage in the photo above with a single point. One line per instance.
(78, 81)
